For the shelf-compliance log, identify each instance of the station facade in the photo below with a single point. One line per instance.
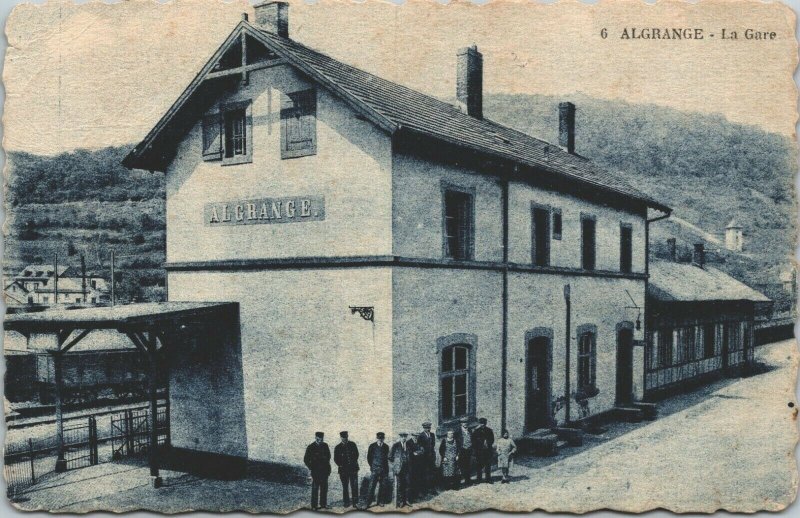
(395, 258)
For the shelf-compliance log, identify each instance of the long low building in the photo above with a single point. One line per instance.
(395, 258)
(700, 324)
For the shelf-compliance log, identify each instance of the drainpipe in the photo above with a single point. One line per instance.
(504, 344)
(568, 354)
(646, 332)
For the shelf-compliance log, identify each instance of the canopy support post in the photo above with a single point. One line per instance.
(58, 378)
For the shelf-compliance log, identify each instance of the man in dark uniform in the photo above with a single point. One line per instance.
(345, 455)
(378, 460)
(400, 457)
(482, 444)
(418, 468)
(318, 460)
(427, 445)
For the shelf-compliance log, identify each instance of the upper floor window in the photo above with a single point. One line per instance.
(587, 363)
(227, 135)
(455, 381)
(557, 224)
(540, 238)
(625, 248)
(299, 124)
(588, 242)
(458, 224)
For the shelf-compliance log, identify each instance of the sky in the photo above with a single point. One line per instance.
(95, 74)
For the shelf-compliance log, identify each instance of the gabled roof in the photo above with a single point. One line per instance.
(41, 271)
(682, 282)
(395, 108)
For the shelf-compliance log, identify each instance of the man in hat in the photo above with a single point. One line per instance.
(464, 440)
(427, 445)
(400, 457)
(318, 460)
(378, 460)
(483, 445)
(418, 468)
(345, 455)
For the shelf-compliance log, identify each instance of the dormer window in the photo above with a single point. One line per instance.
(228, 134)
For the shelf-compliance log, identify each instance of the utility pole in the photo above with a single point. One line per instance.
(113, 280)
(569, 339)
(83, 275)
(55, 279)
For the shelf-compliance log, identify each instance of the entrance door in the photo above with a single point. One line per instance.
(537, 396)
(625, 367)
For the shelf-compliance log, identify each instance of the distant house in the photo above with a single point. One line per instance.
(36, 285)
(700, 324)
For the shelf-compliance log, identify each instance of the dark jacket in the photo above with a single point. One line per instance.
(345, 455)
(400, 457)
(482, 438)
(378, 458)
(427, 445)
(318, 459)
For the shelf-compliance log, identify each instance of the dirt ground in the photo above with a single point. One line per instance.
(729, 445)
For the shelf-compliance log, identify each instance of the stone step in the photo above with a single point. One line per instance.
(542, 443)
(629, 414)
(649, 410)
(573, 436)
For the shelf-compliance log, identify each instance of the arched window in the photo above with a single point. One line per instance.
(587, 363)
(455, 379)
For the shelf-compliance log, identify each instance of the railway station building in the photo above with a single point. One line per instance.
(394, 258)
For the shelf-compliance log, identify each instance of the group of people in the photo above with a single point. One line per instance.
(413, 462)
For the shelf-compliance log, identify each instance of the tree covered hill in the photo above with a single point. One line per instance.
(705, 167)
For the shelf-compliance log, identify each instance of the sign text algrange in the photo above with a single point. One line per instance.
(265, 210)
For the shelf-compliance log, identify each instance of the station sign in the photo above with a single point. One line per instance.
(293, 209)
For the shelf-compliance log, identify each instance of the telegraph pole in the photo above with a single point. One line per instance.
(113, 280)
(55, 279)
(83, 275)
(569, 339)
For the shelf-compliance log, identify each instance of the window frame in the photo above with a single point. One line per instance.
(556, 216)
(448, 344)
(586, 218)
(547, 233)
(469, 246)
(293, 110)
(247, 156)
(662, 347)
(586, 388)
(623, 267)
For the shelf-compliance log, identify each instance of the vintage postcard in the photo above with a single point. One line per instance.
(374, 257)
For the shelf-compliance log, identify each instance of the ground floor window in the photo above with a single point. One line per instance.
(455, 381)
(587, 363)
(709, 340)
(664, 347)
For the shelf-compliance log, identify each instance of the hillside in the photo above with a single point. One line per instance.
(85, 202)
(705, 167)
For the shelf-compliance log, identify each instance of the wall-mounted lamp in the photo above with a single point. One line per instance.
(366, 312)
(638, 311)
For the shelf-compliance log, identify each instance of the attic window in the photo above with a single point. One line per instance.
(299, 124)
(228, 134)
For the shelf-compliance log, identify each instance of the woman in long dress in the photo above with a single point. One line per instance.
(448, 451)
(505, 454)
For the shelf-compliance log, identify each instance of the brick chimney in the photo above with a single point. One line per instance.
(699, 255)
(273, 17)
(566, 126)
(672, 249)
(469, 81)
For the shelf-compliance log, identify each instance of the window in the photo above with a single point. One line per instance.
(540, 238)
(227, 135)
(709, 340)
(588, 228)
(299, 124)
(455, 381)
(458, 225)
(45, 299)
(587, 363)
(686, 351)
(665, 347)
(625, 248)
(557, 224)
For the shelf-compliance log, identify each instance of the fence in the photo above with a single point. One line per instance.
(126, 435)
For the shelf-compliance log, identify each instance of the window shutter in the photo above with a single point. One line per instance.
(299, 124)
(212, 137)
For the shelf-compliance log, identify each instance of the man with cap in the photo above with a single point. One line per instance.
(345, 455)
(483, 444)
(318, 460)
(464, 440)
(427, 445)
(378, 460)
(400, 457)
(418, 468)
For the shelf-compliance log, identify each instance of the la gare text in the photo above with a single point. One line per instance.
(691, 33)
(265, 210)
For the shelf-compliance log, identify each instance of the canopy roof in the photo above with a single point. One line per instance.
(682, 282)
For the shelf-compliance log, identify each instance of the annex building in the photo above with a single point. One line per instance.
(394, 258)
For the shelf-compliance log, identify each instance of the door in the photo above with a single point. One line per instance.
(537, 396)
(624, 367)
